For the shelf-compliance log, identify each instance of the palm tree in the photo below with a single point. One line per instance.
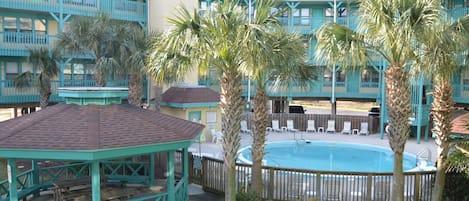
(133, 52)
(388, 28)
(275, 56)
(97, 35)
(219, 39)
(441, 55)
(45, 62)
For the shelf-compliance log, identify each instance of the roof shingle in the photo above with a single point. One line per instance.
(75, 127)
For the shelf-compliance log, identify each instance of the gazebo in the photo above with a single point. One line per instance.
(89, 131)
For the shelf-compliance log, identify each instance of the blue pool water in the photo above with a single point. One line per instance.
(329, 156)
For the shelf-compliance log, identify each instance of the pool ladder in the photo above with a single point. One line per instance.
(424, 154)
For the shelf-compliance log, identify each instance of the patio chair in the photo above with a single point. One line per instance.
(244, 127)
(217, 136)
(311, 127)
(330, 126)
(290, 126)
(363, 128)
(347, 128)
(275, 126)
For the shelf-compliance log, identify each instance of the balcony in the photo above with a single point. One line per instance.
(11, 95)
(117, 9)
(18, 43)
(309, 25)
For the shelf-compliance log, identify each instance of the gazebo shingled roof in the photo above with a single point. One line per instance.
(91, 127)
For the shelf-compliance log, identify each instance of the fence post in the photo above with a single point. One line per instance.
(271, 183)
(369, 180)
(417, 186)
(318, 186)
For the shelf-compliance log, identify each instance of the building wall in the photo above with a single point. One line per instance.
(184, 114)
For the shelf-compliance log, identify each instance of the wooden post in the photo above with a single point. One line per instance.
(170, 182)
(95, 181)
(368, 187)
(185, 169)
(11, 168)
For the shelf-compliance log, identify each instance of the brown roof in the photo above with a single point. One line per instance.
(188, 94)
(461, 123)
(75, 127)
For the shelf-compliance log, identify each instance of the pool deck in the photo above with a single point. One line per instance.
(215, 149)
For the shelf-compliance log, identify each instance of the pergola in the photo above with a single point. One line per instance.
(93, 127)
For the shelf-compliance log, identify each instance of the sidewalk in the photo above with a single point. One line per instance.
(197, 194)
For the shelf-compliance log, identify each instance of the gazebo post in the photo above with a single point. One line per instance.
(12, 179)
(95, 181)
(170, 182)
(185, 169)
(35, 179)
(152, 169)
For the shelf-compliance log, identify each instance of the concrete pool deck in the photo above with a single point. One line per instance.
(216, 150)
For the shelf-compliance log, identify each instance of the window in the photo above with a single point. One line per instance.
(370, 77)
(11, 70)
(211, 117)
(339, 78)
(301, 16)
(341, 12)
(24, 30)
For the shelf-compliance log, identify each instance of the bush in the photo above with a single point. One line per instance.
(456, 186)
(247, 196)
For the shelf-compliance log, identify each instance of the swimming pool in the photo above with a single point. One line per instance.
(329, 156)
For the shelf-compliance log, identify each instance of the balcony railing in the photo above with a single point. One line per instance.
(118, 9)
(309, 25)
(19, 43)
(10, 94)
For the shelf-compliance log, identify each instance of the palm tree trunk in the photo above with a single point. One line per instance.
(258, 139)
(100, 77)
(3, 169)
(44, 93)
(135, 89)
(442, 109)
(398, 102)
(232, 109)
(158, 96)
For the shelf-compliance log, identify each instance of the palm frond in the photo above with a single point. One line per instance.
(24, 80)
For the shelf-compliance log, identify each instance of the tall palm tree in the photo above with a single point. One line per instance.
(389, 28)
(97, 35)
(441, 54)
(217, 39)
(276, 57)
(45, 62)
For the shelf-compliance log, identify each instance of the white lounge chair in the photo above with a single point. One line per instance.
(363, 128)
(330, 126)
(347, 128)
(290, 126)
(244, 127)
(217, 136)
(275, 126)
(311, 127)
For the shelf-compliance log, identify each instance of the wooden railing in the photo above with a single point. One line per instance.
(300, 121)
(299, 184)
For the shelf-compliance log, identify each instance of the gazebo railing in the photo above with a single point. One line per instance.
(126, 171)
(48, 175)
(24, 182)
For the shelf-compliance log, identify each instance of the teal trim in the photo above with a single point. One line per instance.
(95, 181)
(185, 168)
(190, 105)
(35, 177)
(170, 182)
(90, 155)
(12, 179)
(152, 169)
